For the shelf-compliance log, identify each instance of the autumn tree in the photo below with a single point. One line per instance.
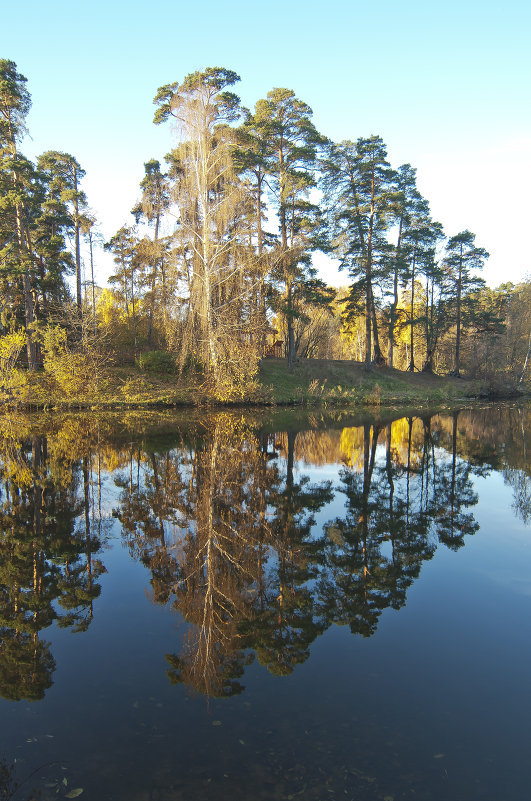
(123, 247)
(212, 201)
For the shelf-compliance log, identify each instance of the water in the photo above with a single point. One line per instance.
(236, 606)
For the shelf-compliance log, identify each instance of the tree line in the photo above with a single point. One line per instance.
(216, 266)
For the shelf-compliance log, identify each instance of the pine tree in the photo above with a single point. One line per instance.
(462, 257)
(358, 189)
(17, 176)
(290, 164)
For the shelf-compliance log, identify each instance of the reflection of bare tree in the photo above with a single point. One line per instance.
(216, 568)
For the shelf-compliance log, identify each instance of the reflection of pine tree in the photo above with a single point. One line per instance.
(289, 621)
(350, 590)
(42, 561)
(375, 552)
(77, 583)
(148, 509)
(454, 494)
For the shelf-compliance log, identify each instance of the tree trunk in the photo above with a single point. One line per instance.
(411, 367)
(394, 305)
(76, 235)
(368, 296)
(457, 365)
(526, 362)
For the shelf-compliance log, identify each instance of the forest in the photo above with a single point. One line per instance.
(215, 272)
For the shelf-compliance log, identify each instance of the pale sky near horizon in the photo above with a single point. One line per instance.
(446, 86)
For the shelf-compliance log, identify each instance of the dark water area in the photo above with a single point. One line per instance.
(266, 606)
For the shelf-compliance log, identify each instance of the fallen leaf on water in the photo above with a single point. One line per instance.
(65, 781)
(438, 756)
(74, 793)
(389, 798)
(241, 742)
(216, 722)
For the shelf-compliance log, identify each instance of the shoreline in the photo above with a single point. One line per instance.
(312, 383)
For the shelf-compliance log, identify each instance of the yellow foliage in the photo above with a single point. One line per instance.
(73, 372)
(12, 380)
(10, 347)
(14, 428)
(108, 310)
(236, 371)
(352, 446)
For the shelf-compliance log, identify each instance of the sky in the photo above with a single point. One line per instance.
(446, 86)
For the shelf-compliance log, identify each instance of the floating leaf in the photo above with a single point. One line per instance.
(74, 793)
(216, 723)
(438, 756)
(241, 742)
(389, 798)
(65, 781)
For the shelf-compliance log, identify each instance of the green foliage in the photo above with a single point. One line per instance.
(157, 361)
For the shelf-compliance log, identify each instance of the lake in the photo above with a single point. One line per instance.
(266, 605)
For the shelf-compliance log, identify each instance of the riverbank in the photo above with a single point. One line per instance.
(311, 382)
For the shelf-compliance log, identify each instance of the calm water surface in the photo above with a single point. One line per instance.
(266, 607)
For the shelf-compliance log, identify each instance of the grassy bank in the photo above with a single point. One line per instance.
(311, 382)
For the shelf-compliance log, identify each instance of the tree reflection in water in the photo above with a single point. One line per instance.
(235, 534)
(226, 524)
(48, 569)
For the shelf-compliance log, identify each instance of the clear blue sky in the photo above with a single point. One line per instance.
(446, 85)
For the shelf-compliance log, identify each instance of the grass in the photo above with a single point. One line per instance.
(321, 381)
(311, 382)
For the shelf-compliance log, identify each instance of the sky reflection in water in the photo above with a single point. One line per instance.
(319, 608)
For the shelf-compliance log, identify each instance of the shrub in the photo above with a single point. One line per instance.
(156, 361)
(11, 380)
(74, 371)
